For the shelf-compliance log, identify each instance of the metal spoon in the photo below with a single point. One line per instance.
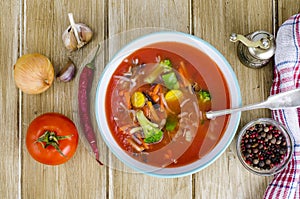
(289, 99)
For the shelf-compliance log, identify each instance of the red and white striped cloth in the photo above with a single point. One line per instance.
(286, 184)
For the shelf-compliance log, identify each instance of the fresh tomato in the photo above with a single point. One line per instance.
(52, 139)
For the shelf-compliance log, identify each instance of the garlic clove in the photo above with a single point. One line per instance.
(67, 73)
(69, 39)
(85, 32)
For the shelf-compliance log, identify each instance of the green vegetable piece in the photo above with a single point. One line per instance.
(163, 67)
(166, 63)
(204, 96)
(154, 138)
(151, 131)
(171, 123)
(170, 80)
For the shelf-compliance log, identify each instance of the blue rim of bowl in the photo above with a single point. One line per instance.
(213, 159)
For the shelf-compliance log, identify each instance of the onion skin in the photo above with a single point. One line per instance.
(33, 73)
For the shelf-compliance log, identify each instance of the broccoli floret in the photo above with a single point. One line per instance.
(204, 96)
(166, 63)
(151, 131)
(163, 67)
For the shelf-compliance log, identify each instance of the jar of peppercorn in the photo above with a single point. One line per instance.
(264, 146)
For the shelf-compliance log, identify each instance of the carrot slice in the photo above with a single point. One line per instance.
(157, 89)
(127, 100)
(184, 74)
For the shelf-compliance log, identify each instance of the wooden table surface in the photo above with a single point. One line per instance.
(29, 26)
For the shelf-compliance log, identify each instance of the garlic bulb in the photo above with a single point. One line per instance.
(33, 73)
(76, 35)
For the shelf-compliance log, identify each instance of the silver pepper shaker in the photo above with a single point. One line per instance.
(256, 49)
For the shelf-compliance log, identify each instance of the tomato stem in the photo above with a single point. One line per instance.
(49, 138)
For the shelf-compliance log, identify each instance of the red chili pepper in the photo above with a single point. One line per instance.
(85, 85)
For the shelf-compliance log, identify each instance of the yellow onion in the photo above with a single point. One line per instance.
(33, 73)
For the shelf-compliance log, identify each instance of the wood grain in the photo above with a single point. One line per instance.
(36, 26)
(81, 177)
(214, 21)
(136, 15)
(287, 9)
(9, 148)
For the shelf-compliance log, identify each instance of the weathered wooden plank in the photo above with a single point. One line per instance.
(286, 9)
(214, 21)
(9, 148)
(81, 177)
(138, 15)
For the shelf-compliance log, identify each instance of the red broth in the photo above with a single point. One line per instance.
(175, 149)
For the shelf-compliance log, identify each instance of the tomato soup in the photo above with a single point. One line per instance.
(156, 103)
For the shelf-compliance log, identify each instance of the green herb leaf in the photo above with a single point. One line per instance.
(170, 80)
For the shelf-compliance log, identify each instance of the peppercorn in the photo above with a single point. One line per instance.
(264, 146)
(261, 164)
(273, 141)
(255, 161)
(278, 141)
(283, 143)
(269, 136)
(255, 150)
(255, 145)
(259, 136)
(247, 155)
(282, 151)
(268, 161)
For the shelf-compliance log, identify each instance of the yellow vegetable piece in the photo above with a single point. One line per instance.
(173, 99)
(173, 95)
(138, 99)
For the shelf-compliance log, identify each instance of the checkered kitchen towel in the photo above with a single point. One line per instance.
(286, 184)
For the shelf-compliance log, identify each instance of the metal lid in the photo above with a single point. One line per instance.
(267, 50)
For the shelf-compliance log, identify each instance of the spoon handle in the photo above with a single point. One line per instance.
(214, 114)
(288, 99)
